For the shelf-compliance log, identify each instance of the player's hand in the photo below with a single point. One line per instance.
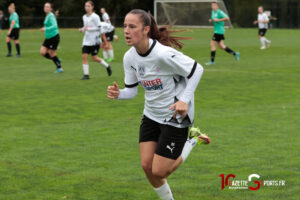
(180, 108)
(216, 20)
(43, 29)
(255, 22)
(113, 91)
(8, 32)
(80, 30)
(86, 28)
(210, 20)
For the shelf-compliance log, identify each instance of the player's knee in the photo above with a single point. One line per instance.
(147, 166)
(161, 173)
(43, 53)
(95, 58)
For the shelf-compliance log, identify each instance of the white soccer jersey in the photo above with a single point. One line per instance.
(92, 35)
(105, 18)
(163, 72)
(262, 17)
(106, 27)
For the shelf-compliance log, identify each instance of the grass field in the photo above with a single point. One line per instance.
(61, 138)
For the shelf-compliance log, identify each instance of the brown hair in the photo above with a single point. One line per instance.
(163, 33)
(91, 2)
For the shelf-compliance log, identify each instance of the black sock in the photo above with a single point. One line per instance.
(47, 55)
(9, 47)
(18, 49)
(228, 50)
(212, 56)
(56, 61)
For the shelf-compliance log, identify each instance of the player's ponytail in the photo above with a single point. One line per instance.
(162, 34)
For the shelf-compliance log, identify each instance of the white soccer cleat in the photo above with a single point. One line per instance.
(262, 48)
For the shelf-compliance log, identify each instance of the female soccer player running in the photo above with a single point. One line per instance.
(91, 41)
(108, 51)
(170, 79)
(218, 17)
(13, 31)
(50, 44)
(262, 21)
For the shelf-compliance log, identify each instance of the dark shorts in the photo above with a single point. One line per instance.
(262, 31)
(14, 34)
(52, 43)
(170, 139)
(110, 36)
(91, 49)
(218, 37)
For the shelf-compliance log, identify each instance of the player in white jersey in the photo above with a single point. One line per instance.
(108, 51)
(91, 41)
(262, 21)
(170, 79)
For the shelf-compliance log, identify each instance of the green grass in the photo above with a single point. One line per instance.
(61, 138)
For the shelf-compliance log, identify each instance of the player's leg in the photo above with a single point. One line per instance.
(109, 46)
(228, 50)
(56, 60)
(7, 40)
(105, 53)
(16, 41)
(149, 135)
(44, 52)
(213, 52)
(100, 60)
(264, 39)
(85, 64)
(110, 52)
(18, 48)
(147, 150)
(105, 49)
(261, 38)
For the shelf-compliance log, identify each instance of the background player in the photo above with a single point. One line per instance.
(218, 17)
(13, 31)
(50, 44)
(262, 21)
(91, 41)
(170, 79)
(108, 51)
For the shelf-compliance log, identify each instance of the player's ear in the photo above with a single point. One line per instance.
(147, 29)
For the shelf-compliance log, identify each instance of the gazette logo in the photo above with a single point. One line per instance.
(254, 182)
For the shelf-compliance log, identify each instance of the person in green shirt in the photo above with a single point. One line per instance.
(13, 31)
(218, 17)
(52, 39)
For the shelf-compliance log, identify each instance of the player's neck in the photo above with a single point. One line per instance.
(143, 46)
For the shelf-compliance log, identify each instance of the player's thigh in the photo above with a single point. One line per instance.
(16, 41)
(43, 50)
(147, 150)
(221, 44)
